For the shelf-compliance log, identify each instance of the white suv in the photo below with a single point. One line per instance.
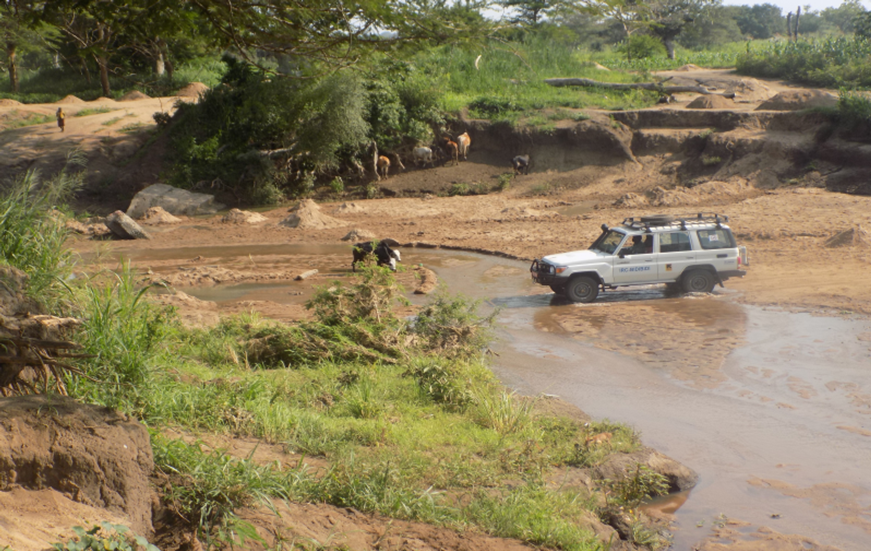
(695, 252)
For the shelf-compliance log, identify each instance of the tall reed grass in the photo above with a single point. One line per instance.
(32, 232)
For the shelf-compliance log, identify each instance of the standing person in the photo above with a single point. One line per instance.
(61, 118)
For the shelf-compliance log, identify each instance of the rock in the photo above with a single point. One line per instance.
(93, 454)
(356, 235)
(305, 275)
(428, 281)
(600, 67)
(711, 102)
(795, 100)
(236, 216)
(308, 216)
(850, 238)
(346, 208)
(125, 227)
(680, 477)
(173, 200)
(156, 215)
(192, 311)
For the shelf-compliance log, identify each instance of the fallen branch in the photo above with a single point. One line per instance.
(655, 86)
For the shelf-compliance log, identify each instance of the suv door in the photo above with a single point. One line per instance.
(638, 262)
(675, 254)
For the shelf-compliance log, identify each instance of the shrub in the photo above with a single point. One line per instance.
(638, 485)
(103, 537)
(32, 234)
(642, 46)
(452, 327)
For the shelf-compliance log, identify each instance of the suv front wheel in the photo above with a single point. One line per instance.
(698, 281)
(582, 289)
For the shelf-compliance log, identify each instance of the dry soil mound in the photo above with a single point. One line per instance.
(156, 215)
(93, 454)
(133, 95)
(236, 216)
(850, 238)
(70, 99)
(689, 67)
(794, 100)
(309, 216)
(711, 102)
(102, 99)
(193, 90)
(356, 235)
(749, 90)
(428, 281)
(9, 103)
(346, 208)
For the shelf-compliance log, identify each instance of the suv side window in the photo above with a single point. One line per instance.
(674, 242)
(716, 239)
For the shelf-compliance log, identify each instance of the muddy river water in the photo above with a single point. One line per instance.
(772, 409)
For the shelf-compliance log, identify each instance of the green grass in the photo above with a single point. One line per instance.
(725, 56)
(92, 111)
(833, 62)
(28, 119)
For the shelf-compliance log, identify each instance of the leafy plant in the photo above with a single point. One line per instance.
(461, 188)
(504, 181)
(337, 185)
(711, 160)
(637, 486)
(452, 327)
(92, 111)
(105, 537)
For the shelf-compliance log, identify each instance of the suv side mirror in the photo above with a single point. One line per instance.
(621, 255)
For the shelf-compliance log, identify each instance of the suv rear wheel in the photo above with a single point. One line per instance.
(697, 281)
(582, 289)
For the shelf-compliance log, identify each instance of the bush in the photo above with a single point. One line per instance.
(32, 233)
(452, 327)
(104, 537)
(832, 62)
(642, 46)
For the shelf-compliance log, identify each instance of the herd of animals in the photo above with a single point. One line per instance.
(450, 150)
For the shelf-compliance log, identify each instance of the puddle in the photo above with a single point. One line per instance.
(737, 393)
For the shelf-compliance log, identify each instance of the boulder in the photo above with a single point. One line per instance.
(173, 200)
(309, 216)
(236, 216)
(93, 454)
(795, 100)
(125, 227)
(357, 235)
(854, 237)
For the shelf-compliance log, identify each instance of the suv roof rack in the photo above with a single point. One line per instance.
(677, 220)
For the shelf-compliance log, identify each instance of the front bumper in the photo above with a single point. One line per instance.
(542, 274)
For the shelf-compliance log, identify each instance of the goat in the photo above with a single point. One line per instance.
(521, 164)
(463, 143)
(383, 166)
(384, 255)
(450, 147)
(423, 155)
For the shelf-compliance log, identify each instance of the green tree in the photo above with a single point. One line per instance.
(760, 21)
(668, 18)
(529, 12)
(631, 15)
(844, 15)
(21, 32)
(709, 32)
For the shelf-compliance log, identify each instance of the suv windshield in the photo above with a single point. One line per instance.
(608, 242)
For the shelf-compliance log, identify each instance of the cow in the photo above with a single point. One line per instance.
(423, 155)
(384, 255)
(383, 166)
(521, 164)
(463, 143)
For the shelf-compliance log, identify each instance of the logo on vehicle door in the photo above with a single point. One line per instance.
(668, 267)
(635, 269)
